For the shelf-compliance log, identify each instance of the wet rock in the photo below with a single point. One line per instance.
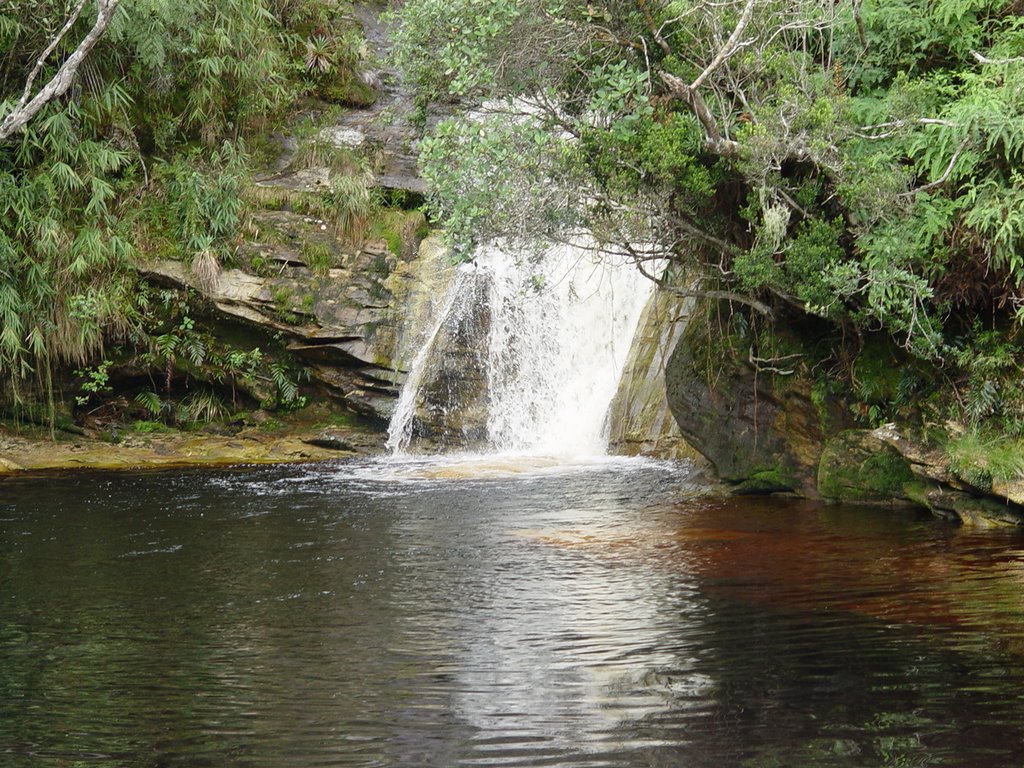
(9, 465)
(927, 461)
(389, 125)
(968, 509)
(332, 441)
(640, 422)
(451, 409)
(1011, 490)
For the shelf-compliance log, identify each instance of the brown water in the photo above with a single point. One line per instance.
(431, 614)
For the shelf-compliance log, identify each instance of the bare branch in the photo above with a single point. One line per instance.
(27, 93)
(942, 179)
(765, 364)
(696, 293)
(869, 131)
(735, 298)
(27, 108)
(685, 93)
(725, 248)
(985, 60)
(689, 92)
(730, 47)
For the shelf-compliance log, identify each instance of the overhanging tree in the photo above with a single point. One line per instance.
(852, 160)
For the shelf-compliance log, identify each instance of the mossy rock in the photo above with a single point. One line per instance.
(857, 466)
(761, 432)
(970, 510)
(347, 90)
(767, 480)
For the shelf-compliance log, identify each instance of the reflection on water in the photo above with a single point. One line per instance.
(421, 613)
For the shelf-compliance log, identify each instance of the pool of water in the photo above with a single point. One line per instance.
(495, 612)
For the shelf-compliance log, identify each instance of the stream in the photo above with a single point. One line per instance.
(495, 611)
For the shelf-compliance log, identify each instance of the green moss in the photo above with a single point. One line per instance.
(824, 391)
(768, 480)
(347, 90)
(917, 492)
(149, 427)
(401, 230)
(857, 467)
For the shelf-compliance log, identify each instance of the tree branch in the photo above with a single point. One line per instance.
(730, 47)
(649, 18)
(689, 92)
(697, 293)
(716, 142)
(985, 60)
(27, 107)
(942, 179)
(861, 30)
(46, 54)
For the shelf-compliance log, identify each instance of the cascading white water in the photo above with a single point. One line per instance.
(553, 347)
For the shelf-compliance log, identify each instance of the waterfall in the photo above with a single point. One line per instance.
(523, 355)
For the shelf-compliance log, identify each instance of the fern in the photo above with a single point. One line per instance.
(287, 390)
(151, 402)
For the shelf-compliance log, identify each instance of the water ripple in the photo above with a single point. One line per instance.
(442, 613)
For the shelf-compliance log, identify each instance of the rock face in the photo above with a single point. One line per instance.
(760, 429)
(944, 492)
(640, 422)
(763, 431)
(385, 130)
(342, 323)
(387, 125)
(452, 390)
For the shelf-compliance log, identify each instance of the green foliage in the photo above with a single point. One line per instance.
(483, 177)
(150, 402)
(149, 427)
(461, 48)
(202, 207)
(108, 171)
(201, 406)
(317, 257)
(804, 268)
(877, 154)
(401, 230)
(97, 382)
(65, 249)
(288, 395)
(993, 385)
(206, 69)
(175, 342)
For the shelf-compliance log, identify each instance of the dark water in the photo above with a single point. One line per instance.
(358, 615)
